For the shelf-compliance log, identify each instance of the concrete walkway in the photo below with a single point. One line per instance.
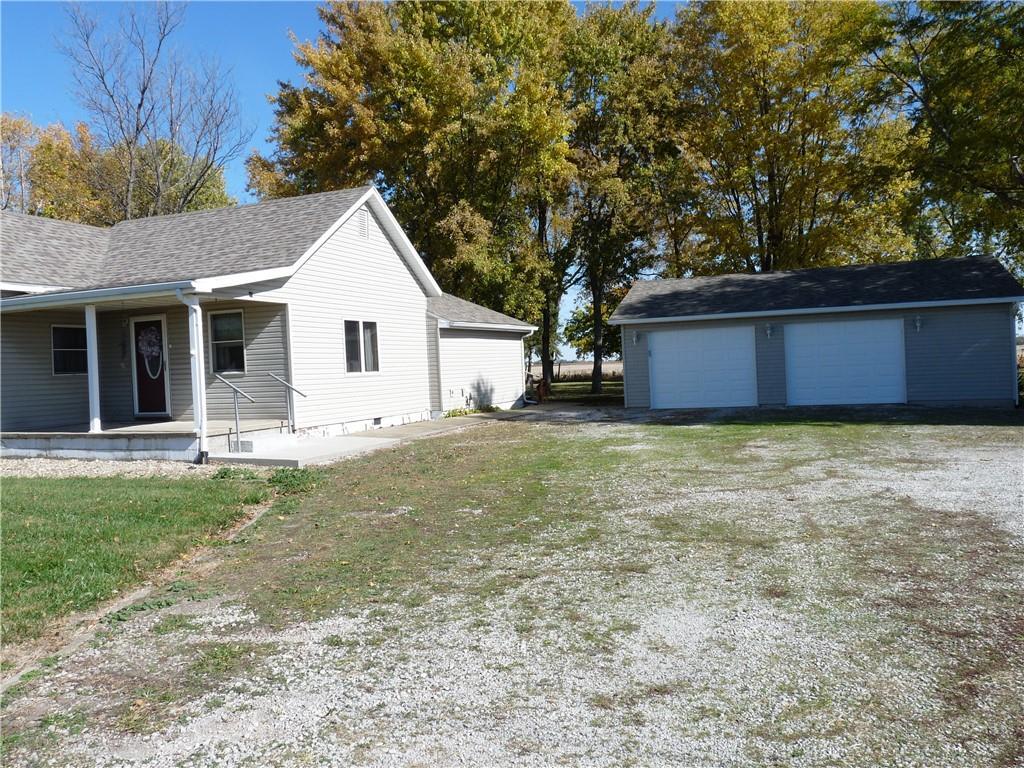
(305, 451)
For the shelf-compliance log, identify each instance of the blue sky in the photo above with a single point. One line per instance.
(250, 38)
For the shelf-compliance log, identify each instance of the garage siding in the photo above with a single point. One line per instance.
(636, 370)
(771, 364)
(481, 368)
(961, 355)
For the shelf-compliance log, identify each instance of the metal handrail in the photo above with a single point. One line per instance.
(286, 383)
(243, 394)
(235, 392)
(288, 396)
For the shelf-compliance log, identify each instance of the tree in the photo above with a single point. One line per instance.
(64, 175)
(166, 129)
(788, 153)
(958, 70)
(452, 111)
(616, 57)
(17, 137)
(579, 328)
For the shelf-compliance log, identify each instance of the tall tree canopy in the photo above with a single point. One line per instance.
(958, 71)
(615, 64)
(788, 155)
(450, 110)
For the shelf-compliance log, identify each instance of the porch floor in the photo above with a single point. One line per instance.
(214, 428)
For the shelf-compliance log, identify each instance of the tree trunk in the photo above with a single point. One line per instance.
(548, 319)
(597, 299)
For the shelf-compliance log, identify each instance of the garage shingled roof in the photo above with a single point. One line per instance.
(933, 280)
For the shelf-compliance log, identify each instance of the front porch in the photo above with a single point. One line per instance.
(177, 440)
(137, 379)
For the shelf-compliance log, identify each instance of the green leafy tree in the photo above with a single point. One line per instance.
(578, 331)
(958, 69)
(616, 60)
(451, 110)
(787, 152)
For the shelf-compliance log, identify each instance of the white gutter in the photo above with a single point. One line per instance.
(31, 287)
(526, 330)
(93, 295)
(815, 310)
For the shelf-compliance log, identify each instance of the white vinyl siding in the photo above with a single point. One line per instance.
(845, 362)
(710, 367)
(480, 368)
(32, 397)
(352, 277)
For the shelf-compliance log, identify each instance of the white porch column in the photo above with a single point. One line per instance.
(196, 347)
(92, 362)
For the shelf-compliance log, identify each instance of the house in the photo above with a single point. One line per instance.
(938, 332)
(314, 312)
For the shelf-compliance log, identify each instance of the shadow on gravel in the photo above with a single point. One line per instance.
(572, 413)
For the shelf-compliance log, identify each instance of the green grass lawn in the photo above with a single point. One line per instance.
(71, 543)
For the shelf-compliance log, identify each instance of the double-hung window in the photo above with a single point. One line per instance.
(67, 347)
(361, 347)
(227, 342)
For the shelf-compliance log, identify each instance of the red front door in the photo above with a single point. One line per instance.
(150, 366)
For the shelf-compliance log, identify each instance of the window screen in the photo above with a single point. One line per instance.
(68, 348)
(227, 338)
(352, 358)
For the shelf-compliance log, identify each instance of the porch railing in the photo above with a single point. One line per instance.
(235, 392)
(288, 389)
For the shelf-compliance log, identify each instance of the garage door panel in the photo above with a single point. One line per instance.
(703, 368)
(847, 362)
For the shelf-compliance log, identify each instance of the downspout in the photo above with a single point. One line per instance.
(437, 367)
(1014, 309)
(198, 369)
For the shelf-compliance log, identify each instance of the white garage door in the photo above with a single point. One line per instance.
(703, 367)
(845, 362)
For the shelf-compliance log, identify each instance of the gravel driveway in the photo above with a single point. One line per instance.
(800, 594)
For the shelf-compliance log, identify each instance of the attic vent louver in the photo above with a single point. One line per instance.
(363, 218)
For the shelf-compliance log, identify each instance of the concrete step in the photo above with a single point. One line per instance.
(306, 451)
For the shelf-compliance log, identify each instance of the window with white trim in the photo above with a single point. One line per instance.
(68, 349)
(361, 347)
(227, 341)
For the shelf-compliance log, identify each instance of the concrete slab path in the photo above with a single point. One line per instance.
(305, 451)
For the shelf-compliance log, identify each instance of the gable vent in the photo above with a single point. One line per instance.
(363, 220)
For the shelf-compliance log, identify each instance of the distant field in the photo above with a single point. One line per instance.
(578, 369)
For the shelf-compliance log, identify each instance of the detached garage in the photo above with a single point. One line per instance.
(477, 356)
(938, 332)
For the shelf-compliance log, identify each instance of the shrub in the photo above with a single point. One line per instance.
(295, 479)
(235, 473)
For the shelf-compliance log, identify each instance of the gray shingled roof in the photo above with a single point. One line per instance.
(851, 286)
(158, 249)
(41, 251)
(454, 309)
